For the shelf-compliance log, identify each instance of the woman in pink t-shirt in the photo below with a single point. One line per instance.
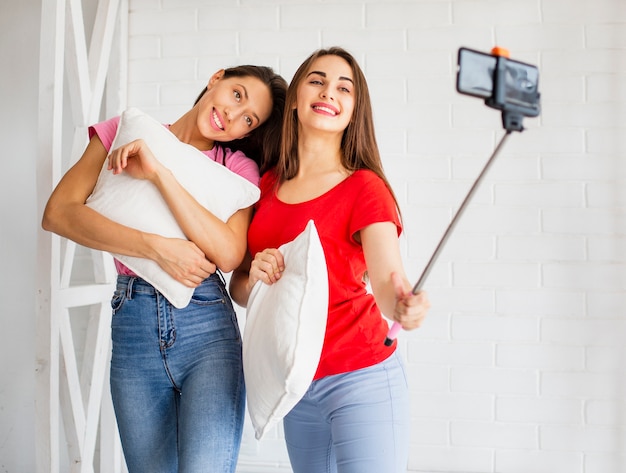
(354, 418)
(176, 374)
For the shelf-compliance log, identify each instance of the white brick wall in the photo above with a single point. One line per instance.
(519, 368)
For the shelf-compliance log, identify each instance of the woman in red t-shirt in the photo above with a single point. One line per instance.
(354, 417)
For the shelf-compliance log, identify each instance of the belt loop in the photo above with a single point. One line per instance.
(129, 288)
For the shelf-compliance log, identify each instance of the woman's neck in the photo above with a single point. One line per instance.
(186, 130)
(319, 153)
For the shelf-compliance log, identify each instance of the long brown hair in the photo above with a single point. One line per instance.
(263, 143)
(359, 147)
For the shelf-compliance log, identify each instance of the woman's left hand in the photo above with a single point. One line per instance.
(134, 158)
(410, 309)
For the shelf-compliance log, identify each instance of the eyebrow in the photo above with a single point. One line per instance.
(245, 94)
(323, 74)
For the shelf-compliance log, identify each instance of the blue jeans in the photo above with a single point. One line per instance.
(177, 379)
(355, 422)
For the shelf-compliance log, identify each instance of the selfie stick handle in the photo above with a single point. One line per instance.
(396, 327)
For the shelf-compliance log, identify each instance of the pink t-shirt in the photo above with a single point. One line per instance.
(236, 161)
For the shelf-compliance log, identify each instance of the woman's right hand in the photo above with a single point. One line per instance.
(267, 266)
(183, 260)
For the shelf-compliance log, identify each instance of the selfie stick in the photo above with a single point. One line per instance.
(512, 118)
(396, 327)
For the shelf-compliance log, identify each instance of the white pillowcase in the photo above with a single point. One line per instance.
(284, 332)
(137, 203)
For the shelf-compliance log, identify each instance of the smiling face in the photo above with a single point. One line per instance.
(233, 107)
(326, 95)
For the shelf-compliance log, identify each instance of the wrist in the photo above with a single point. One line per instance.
(150, 244)
(160, 176)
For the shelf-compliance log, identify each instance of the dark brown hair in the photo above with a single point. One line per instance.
(359, 147)
(263, 143)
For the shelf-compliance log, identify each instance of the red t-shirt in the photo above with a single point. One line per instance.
(355, 328)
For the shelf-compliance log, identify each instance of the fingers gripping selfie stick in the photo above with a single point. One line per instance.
(506, 85)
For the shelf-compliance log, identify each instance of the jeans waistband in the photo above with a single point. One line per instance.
(134, 284)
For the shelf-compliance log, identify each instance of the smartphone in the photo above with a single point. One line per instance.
(517, 82)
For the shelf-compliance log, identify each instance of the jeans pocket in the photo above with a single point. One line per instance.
(206, 298)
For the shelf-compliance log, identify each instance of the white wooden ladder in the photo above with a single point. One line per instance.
(72, 397)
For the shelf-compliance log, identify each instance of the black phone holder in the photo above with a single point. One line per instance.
(513, 94)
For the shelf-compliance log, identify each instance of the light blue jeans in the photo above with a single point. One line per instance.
(356, 422)
(177, 379)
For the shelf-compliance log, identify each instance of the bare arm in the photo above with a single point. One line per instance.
(239, 288)
(67, 215)
(224, 243)
(391, 288)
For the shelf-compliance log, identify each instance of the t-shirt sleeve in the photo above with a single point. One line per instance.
(373, 203)
(106, 131)
(240, 164)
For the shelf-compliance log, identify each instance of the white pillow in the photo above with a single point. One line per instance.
(284, 332)
(137, 203)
